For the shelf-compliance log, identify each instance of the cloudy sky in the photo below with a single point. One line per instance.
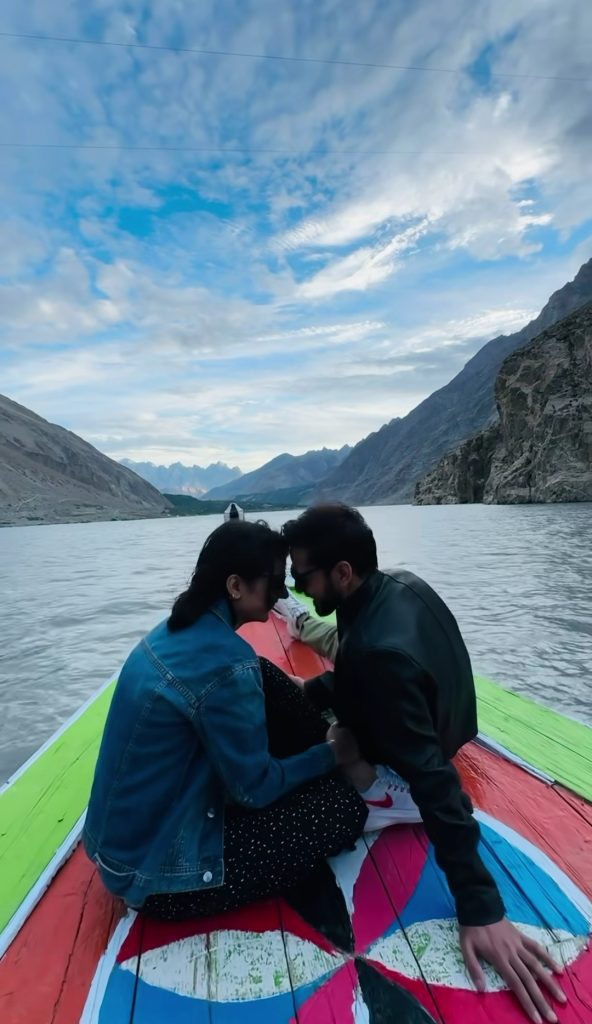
(223, 255)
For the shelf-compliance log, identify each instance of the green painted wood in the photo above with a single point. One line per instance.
(559, 746)
(39, 809)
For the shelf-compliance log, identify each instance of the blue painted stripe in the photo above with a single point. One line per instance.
(118, 998)
(531, 896)
(156, 1005)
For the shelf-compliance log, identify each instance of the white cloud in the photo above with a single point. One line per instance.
(337, 283)
(362, 268)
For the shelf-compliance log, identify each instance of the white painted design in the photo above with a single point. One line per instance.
(431, 949)
(96, 993)
(575, 895)
(359, 1009)
(233, 965)
(347, 866)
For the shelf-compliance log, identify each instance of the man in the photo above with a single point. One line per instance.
(403, 683)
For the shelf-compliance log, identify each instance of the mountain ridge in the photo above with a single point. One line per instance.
(178, 478)
(283, 471)
(48, 474)
(384, 466)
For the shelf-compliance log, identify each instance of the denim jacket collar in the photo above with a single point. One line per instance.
(223, 609)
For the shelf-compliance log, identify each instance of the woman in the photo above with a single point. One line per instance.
(215, 783)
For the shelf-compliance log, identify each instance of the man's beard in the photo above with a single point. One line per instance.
(328, 602)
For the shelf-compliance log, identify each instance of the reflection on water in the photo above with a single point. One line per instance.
(76, 598)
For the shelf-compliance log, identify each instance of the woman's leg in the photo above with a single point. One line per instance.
(293, 723)
(268, 851)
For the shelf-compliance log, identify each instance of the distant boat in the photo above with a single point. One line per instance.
(233, 511)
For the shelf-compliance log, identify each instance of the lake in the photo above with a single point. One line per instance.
(77, 597)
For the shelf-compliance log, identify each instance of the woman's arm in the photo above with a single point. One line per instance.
(231, 723)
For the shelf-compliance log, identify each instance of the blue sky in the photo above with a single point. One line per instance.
(291, 253)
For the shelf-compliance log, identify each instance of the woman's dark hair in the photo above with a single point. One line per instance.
(247, 549)
(333, 533)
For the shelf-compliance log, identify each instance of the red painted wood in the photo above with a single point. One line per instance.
(45, 976)
(558, 826)
(46, 973)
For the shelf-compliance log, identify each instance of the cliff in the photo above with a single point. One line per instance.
(541, 448)
(383, 467)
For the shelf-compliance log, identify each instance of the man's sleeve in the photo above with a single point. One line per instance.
(400, 721)
(321, 636)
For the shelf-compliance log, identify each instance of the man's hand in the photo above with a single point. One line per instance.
(344, 744)
(519, 960)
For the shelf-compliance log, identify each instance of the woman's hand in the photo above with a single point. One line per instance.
(344, 743)
(297, 680)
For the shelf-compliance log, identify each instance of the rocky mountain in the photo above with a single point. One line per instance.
(180, 479)
(541, 448)
(384, 467)
(285, 471)
(50, 475)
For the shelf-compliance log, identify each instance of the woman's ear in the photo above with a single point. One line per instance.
(233, 587)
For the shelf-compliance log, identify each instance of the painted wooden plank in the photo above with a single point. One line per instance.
(304, 661)
(46, 973)
(227, 968)
(559, 827)
(264, 638)
(42, 804)
(374, 896)
(560, 746)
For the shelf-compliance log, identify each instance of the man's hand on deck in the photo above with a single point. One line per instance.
(524, 965)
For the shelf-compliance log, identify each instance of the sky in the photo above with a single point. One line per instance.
(223, 255)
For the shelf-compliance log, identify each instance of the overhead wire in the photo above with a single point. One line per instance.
(247, 55)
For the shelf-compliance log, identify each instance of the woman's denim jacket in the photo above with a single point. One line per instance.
(185, 734)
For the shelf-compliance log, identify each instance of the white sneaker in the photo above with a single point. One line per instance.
(293, 611)
(389, 802)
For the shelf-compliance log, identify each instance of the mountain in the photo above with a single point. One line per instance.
(384, 467)
(180, 479)
(541, 448)
(49, 475)
(285, 471)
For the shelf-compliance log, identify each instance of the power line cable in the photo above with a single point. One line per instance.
(289, 59)
(235, 150)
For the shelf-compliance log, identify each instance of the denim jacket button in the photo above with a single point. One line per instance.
(208, 876)
(211, 812)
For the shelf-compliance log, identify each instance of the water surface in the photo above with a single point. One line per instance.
(76, 598)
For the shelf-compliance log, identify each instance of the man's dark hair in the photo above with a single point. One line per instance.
(247, 549)
(333, 533)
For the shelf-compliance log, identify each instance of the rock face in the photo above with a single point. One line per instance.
(49, 475)
(285, 471)
(383, 468)
(541, 449)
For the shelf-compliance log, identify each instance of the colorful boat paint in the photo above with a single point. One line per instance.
(373, 939)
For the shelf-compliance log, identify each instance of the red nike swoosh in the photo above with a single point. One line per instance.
(386, 802)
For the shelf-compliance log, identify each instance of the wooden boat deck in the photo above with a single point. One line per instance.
(372, 940)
